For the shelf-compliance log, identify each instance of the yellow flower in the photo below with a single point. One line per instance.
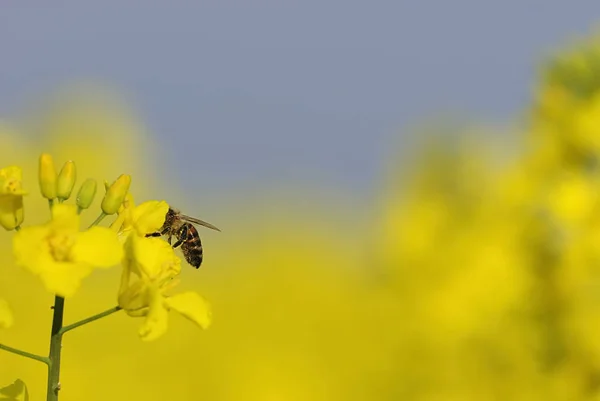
(61, 255)
(11, 197)
(154, 266)
(6, 319)
(146, 218)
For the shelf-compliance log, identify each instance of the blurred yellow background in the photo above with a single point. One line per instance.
(478, 278)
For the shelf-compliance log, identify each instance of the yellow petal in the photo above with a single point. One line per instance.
(13, 172)
(6, 319)
(191, 306)
(64, 279)
(10, 181)
(149, 216)
(153, 256)
(30, 248)
(156, 321)
(65, 217)
(134, 297)
(11, 211)
(98, 246)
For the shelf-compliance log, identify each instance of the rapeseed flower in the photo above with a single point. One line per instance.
(144, 219)
(60, 254)
(11, 197)
(154, 267)
(150, 270)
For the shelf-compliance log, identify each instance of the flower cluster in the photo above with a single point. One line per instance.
(150, 270)
(61, 254)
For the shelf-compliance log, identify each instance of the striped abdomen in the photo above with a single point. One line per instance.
(192, 246)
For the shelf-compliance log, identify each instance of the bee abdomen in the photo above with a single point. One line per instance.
(193, 255)
(192, 245)
(196, 258)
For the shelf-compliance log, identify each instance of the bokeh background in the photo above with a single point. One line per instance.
(408, 193)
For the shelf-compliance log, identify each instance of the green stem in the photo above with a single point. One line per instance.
(90, 319)
(17, 228)
(55, 348)
(25, 354)
(50, 203)
(98, 220)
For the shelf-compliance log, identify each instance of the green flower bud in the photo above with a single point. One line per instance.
(115, 194)
(86, 194)
(48, 176)
(66, 180)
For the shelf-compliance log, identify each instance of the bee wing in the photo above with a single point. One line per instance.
(197, 221)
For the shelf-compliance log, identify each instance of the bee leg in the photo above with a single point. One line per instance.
(158, 233)
(181, 236)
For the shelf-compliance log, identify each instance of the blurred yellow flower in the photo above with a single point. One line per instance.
(572, 198)
(6, 319)
(154, 266)
(61, 255)
(11, 197)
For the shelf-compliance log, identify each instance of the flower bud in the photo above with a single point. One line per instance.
(86, 194)
(48, 176)
(66, 180)
(115, 194)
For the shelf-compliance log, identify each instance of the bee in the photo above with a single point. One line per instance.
(181, 227)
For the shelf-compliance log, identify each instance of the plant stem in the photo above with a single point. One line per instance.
(25, 354)
(90, 319)
(98, 220)
(55, 349)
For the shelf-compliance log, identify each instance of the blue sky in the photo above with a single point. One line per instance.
(244, 93)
